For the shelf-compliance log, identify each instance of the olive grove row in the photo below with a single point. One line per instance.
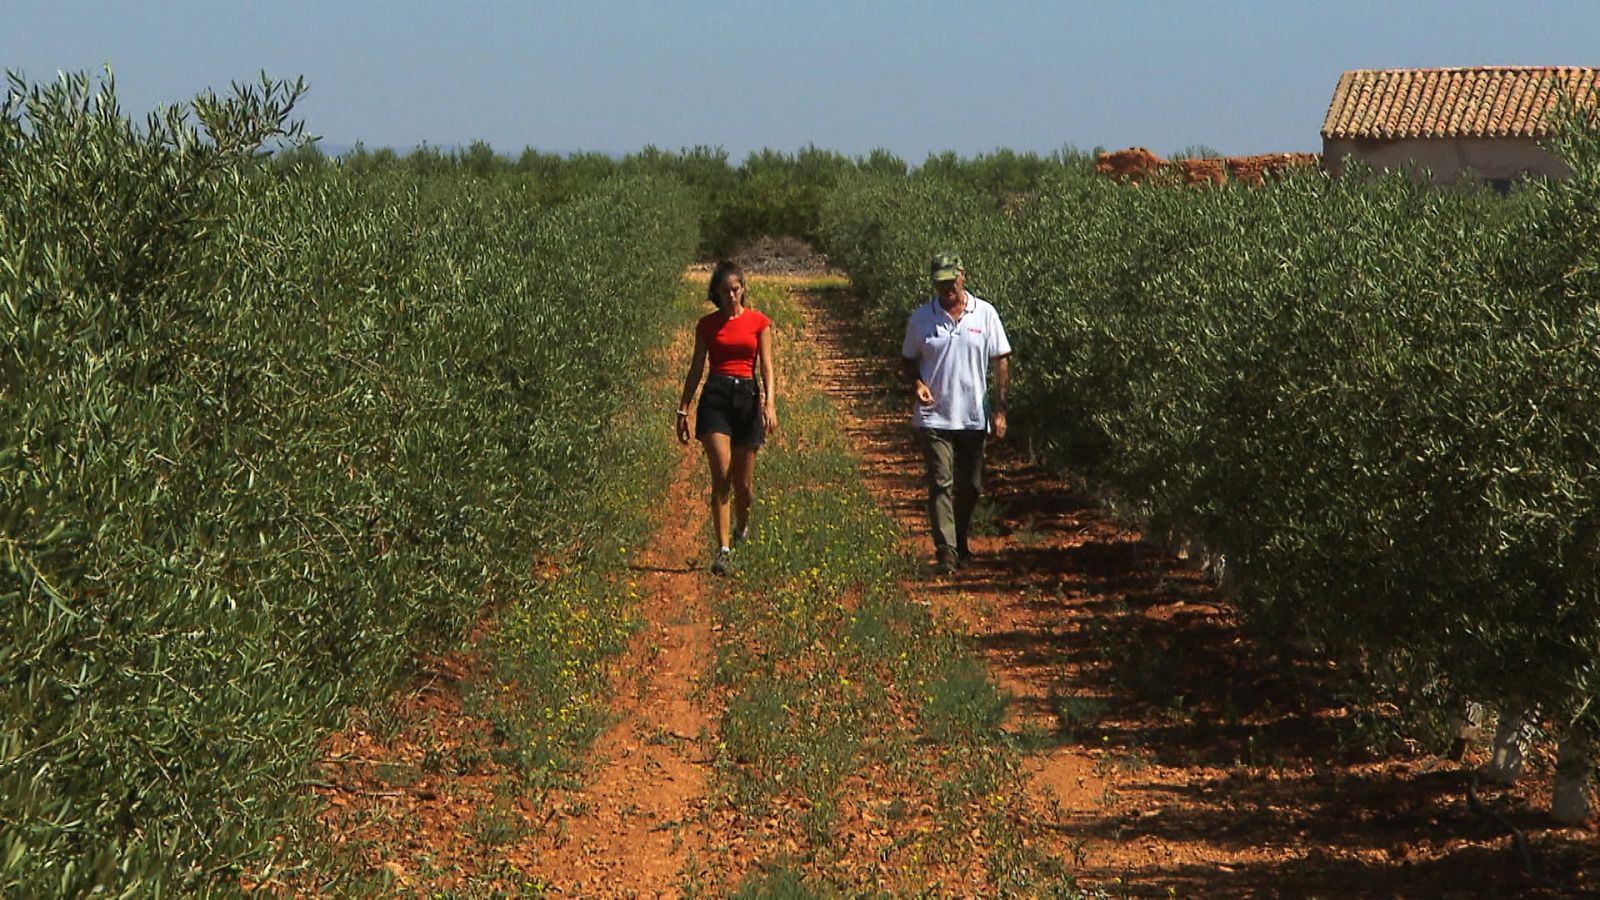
(263, 439)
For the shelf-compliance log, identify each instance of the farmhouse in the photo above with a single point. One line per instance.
(1484, 122)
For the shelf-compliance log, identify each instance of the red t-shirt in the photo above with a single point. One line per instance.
(731, 343)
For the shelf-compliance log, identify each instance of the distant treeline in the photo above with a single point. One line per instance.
(771, 193)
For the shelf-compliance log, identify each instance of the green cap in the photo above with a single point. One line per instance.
(946, 266)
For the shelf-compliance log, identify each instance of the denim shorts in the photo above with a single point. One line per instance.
(732, 406)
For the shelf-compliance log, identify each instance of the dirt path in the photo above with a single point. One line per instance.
(1168, 754)
(639, 819)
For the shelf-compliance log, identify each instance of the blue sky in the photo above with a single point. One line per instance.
(1241, 76)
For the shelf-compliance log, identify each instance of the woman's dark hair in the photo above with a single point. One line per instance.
(724, 269)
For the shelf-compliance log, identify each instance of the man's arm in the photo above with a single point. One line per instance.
(1002, 391)
(912, 369)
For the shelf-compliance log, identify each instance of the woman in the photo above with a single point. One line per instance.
(737, 408)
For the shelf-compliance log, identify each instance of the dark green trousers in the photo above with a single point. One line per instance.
(955, 481)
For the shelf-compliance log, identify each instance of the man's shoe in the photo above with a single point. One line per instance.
(947, 562)
(963, 555)
(720, 564)
(741, 535)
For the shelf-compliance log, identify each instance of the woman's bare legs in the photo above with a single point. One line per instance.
(719, 457)
(742, 473)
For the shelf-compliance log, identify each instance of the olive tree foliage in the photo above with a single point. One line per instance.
(1546, 488)
(263, 438)
(116, 613)
(1374, 398)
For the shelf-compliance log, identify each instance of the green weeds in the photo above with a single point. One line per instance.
(962, 704)
(782, 883)
(1075, 713)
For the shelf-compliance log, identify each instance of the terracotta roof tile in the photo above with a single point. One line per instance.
(1489, 101)
(1421, 100)
(1521, 101)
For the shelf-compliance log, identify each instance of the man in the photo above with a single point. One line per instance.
(949, 343)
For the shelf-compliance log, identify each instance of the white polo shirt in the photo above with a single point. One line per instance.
(953, 360)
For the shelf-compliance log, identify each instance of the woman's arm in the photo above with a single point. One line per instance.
(690, 382)
(769, 383)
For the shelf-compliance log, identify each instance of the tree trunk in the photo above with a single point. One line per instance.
(1571, 803)
(1510, 746)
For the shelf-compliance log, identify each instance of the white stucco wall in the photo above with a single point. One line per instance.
(1447, 159)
